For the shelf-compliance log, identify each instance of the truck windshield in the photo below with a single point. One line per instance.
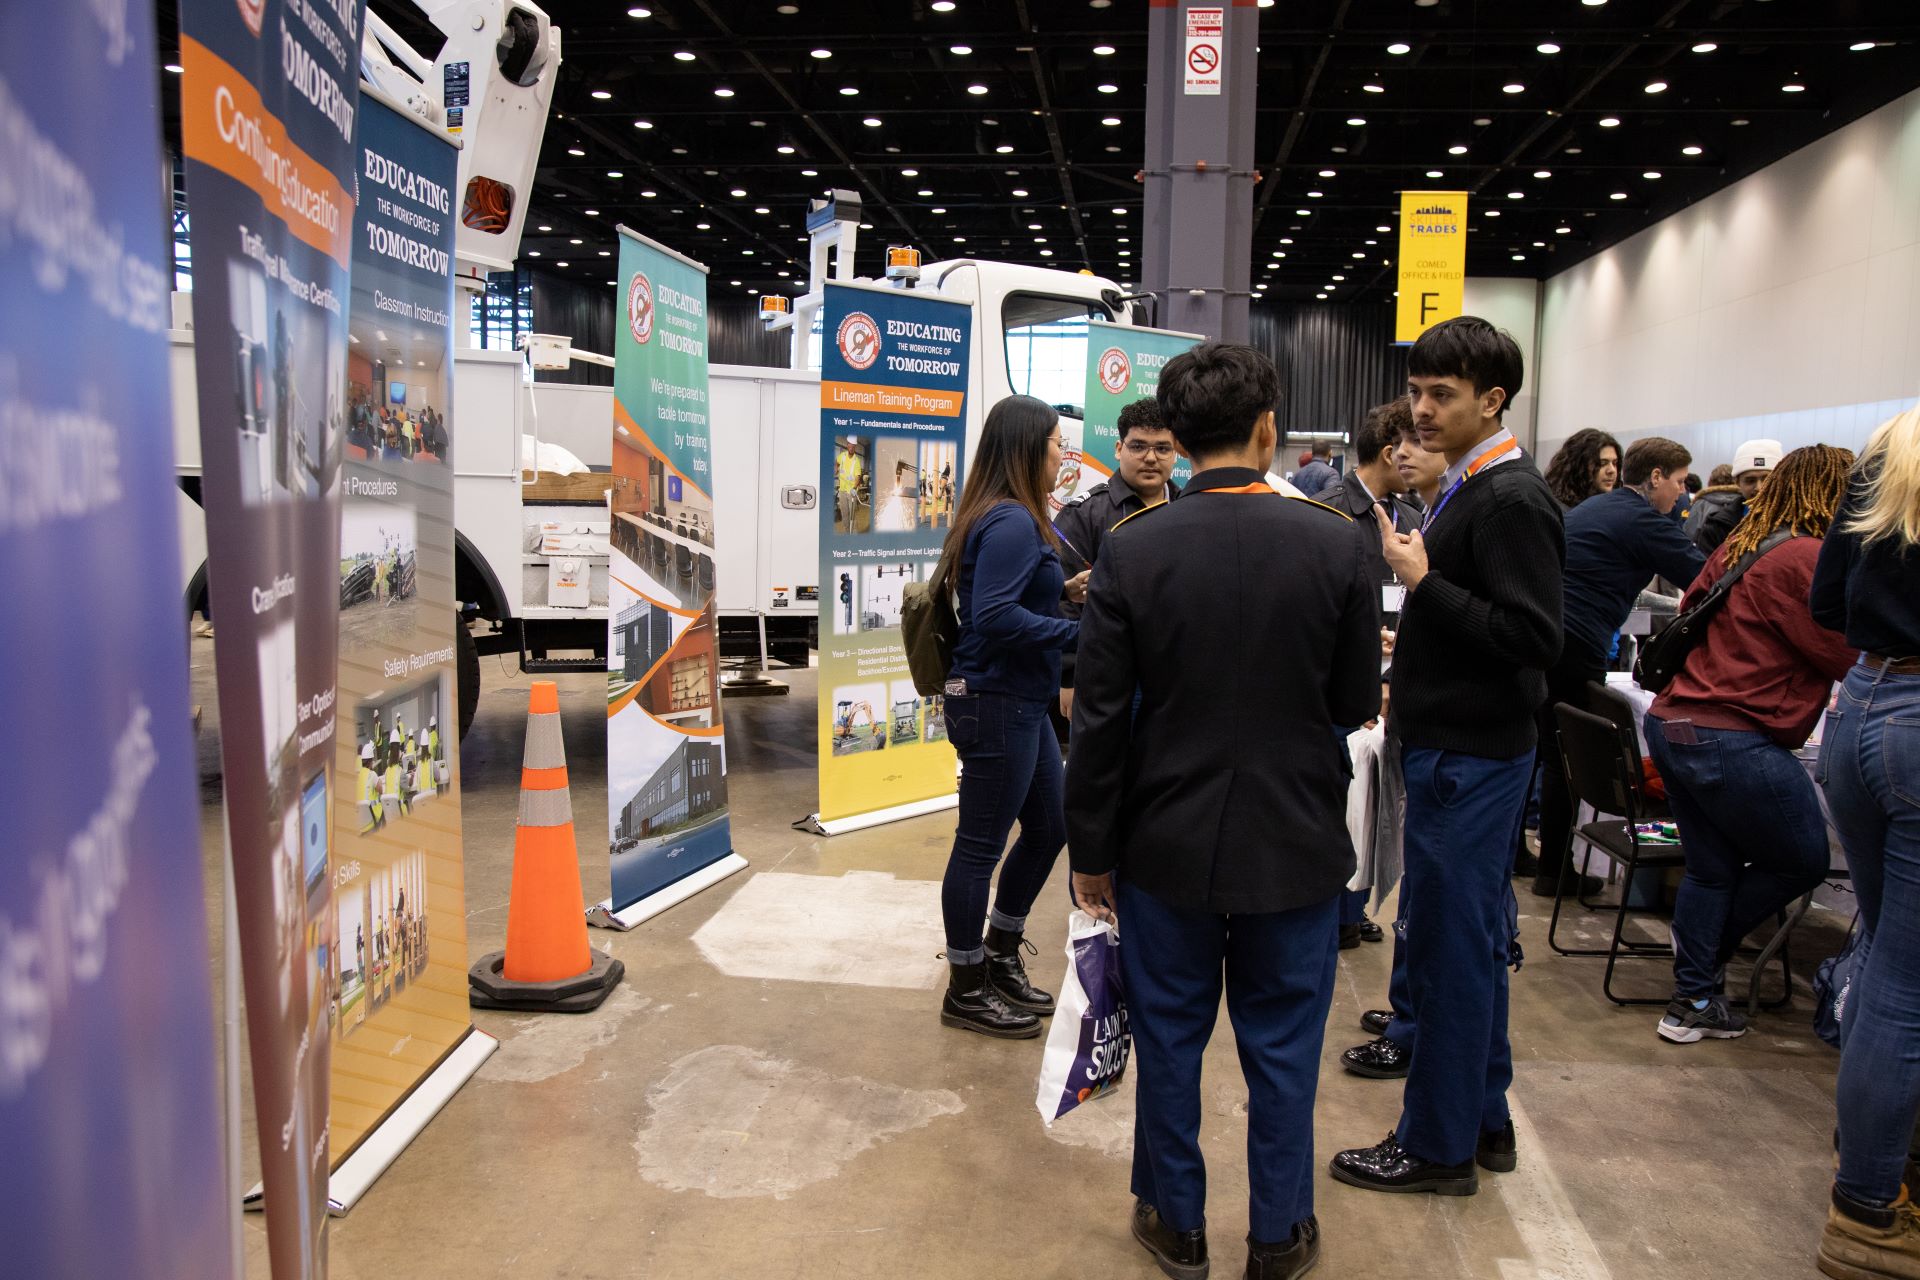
(1046, 340)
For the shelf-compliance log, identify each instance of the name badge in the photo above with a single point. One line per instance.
(1393, 596)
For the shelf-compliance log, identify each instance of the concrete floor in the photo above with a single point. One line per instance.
(704, 1125)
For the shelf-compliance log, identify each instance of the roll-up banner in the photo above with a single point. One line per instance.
(1123, 365)
(397, 938)
(268, 103)
(666, 751)
(1433, 260)
(110, 1154)
(893, 422)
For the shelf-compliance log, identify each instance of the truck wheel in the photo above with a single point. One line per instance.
(466, 660)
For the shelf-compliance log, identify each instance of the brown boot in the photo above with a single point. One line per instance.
(1865, 1243)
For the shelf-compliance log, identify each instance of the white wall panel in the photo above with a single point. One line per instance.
(1786, 305)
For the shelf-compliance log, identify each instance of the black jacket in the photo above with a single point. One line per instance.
(1083, 525)
(1712, 515)
(1349, 496)
(1227, 792)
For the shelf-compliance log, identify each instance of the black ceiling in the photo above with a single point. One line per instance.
(989, 178)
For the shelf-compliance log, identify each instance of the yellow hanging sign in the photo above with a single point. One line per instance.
(1433, 260)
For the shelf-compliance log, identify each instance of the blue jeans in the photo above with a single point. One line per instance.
(1278, 974)
(1870, 767)
(1754, 836)
(1010, 769)
(1463, 817)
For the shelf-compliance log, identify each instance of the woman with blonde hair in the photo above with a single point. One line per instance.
(1868, 585)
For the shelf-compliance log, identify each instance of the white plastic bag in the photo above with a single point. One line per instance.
(1088, 1045)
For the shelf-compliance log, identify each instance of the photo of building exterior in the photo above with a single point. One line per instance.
(688, 785)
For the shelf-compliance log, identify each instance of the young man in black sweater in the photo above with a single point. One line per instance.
(1480, 625)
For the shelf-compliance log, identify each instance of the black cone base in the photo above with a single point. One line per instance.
(488, 989)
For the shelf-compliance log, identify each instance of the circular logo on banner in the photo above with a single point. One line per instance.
(640, 307)
(1116, 371)
(253, 13)
(859, 340)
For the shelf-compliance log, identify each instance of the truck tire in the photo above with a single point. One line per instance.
(466, 661)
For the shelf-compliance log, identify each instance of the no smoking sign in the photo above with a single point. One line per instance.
(1206, 30)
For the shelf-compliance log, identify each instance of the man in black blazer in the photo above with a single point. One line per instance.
(1219, 806)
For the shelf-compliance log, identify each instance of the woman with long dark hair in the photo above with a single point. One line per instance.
(1724, 731)
(1588, 463)
(1868, 585)
(1002, 559)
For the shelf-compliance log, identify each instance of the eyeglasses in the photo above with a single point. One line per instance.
(1141, 449)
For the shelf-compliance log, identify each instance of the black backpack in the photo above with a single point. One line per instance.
(1662, 656)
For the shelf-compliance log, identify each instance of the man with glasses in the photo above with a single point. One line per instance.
(1142, 478)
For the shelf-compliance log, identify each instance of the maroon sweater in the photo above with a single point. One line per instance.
(1764, 665)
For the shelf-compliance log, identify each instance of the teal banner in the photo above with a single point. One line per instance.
(1123, 365)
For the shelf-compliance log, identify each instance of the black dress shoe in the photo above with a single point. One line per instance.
(1371, 932)
(1525, 863)
(1498, 1152)
(1374, 1021)
(1391, 1167)
(1007, 972)
(1288, 1259)
(1573, 885)
(1181, 1254)
(972, 1004)
(1349, 936)
(1378, 1059)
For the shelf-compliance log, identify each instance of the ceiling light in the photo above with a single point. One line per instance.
(1513, 86)
(1356, 121)
(848, 91)
(1374, 88)
(1433, 173)
(809, 173)
(823, 53)
(747, 253)
(923, 192)
(1456, 150)
(1046, 253)
(1519, 257)
(1326, 173)
(615, 173)
(762, 209)
(1651, 175)
(723, 92)
(591, 213)
(1119, 211)
(576, 241)
(1573, 151)
(1705, 46)
(531, 253)
(1339, 151)
(1563, 231)
(784, 150)
(643, 124)
(1738, 123)
(563, 264)
(1126, 253)
(1337, 278)
(1103, 50)
(543, 227)
(1690, 151)
(1398, 49)
(959, 239)
(1033, 226)
(575, 151)
(962, 49)
(734, 283)
(1039, 239)
(1610, 122)
(1656, 86)
(681, 55)
(1110, 121)
(1793, 86)
(1286, 239)
(909, 173)
(1300, 213)
(1126, 240)
(977, 90)
(601, 95)
(939, 210)
(1618, 195)
(1548, 47)
(1356, 256)
(703, 226)
(1108, 88)
(1321, 296)
(1020, 193)
(1315, 195)
(1539, 244)
(176, 68)
(1861, 46)
(942, 6)
(1383, 230)
(1516, 195)
(872, 122)
(606, 253)
(738, 193)
(1543, 173)
(648, 195)
(1593, 4)
(1493, 213)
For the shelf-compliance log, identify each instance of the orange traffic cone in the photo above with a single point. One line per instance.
(548, 964)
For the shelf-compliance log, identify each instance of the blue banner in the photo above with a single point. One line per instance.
(893, 425)
(110, 1127)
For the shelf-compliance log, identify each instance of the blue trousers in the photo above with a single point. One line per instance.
(1754, 835)
(1278, 971)
(1870, 768)
(1012, 770)
(1463, 816)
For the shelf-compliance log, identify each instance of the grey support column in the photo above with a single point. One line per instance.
(1202, 63)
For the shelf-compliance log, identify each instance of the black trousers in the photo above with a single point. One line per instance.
(1566, 682)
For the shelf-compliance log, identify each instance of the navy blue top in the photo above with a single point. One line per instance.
(1011, 631)
(1616, 543)
(1869, 591)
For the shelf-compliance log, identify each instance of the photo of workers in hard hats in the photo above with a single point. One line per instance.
(852, 484)
(350, 952)
(403, 752)
(389, 947)
(378, 543)
(903, 714)
(291, 418)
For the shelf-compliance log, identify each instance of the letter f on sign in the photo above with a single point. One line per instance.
(1427, 306)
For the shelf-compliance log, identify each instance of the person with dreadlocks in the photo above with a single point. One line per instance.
(1724, 731)
(1588, 463)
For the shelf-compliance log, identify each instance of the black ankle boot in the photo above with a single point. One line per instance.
(972, 1004)
(1007, 973)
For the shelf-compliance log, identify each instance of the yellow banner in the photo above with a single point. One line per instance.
(1433, 260)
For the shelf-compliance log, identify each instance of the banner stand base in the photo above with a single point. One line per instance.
(601, 914)
(403, 1124)
(878, 817)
